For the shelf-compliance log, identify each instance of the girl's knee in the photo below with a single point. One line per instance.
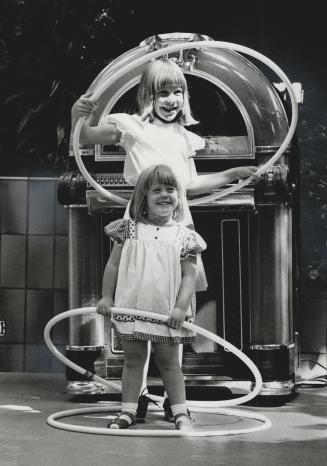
(167, 359)
(135, 355)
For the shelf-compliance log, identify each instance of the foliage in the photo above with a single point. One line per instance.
(51, 51)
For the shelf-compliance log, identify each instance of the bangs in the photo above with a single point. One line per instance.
(161, 174)
(157, 75)
(155, 174)
(168, 74)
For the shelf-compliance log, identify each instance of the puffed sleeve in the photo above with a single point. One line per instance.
(195, 142)
(192, 244)
(129, 125)
(118, 230)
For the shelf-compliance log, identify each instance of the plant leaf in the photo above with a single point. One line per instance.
(55, 85)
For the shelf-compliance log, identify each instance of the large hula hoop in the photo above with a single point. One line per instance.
(166, 50)
(195, 406)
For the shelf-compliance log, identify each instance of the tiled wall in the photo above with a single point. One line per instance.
(33, 273)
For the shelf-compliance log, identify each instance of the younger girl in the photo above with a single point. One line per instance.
(152, 267)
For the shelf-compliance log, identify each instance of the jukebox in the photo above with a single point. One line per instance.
(250, 261)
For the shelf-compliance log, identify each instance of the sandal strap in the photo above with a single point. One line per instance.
(168, 414)
(142, 406)
(182, 415)
(123, 420)
(183, 419)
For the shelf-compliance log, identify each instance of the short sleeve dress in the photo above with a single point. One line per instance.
(149, 277)
(156, 143)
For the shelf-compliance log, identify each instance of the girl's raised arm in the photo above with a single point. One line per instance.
(208, 182)
(106, 134)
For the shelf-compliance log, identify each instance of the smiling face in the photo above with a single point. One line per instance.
(162, 200)
(168, 102)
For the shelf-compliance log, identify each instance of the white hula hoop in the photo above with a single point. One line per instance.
(172, 48)
(195, 406)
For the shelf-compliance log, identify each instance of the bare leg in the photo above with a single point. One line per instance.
(135, 354)
(167, 359)
(180, 359)
(146, 368)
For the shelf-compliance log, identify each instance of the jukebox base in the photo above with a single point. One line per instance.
(233, 387)
(219, 369)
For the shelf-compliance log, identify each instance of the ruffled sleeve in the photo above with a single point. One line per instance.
(118, 230)
(128, 125)
(192, 243)
(195, 142)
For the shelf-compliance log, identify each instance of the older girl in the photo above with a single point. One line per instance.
(157, 133)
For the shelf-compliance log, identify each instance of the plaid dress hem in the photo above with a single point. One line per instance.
(137, 336)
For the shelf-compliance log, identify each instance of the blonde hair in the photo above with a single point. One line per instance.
(157, 75)
(155, 174)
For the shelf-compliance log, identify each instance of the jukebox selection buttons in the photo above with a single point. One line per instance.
(110, 179)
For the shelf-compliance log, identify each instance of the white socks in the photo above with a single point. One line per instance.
(129, 407)
(179, 409)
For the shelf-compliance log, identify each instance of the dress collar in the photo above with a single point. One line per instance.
(157, 223)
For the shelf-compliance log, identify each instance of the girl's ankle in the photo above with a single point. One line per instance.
(184, 422)
(123, 421)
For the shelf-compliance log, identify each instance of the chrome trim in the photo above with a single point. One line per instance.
(28, 178)
(113, 349)
(77, 387)
(97, 203)
(179, 36)
(277, 388)
(240, 277)
(85, 348)
(236, 387)
(272, 347)
(269, 149)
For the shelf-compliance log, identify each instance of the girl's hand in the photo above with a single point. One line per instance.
(84, 106)
(176, 318)
(246, 172)
(104, 306)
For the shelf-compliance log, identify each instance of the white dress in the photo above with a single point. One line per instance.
(149, 276)
(156, 143)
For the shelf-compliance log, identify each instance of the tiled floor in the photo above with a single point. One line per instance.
(298, 435)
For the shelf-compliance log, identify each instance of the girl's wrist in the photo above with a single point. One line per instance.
(182, 309)
(108, 298)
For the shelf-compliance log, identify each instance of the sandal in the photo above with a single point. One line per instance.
(168, 414)
(184, 422)
(123, 421)
(142, 408)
